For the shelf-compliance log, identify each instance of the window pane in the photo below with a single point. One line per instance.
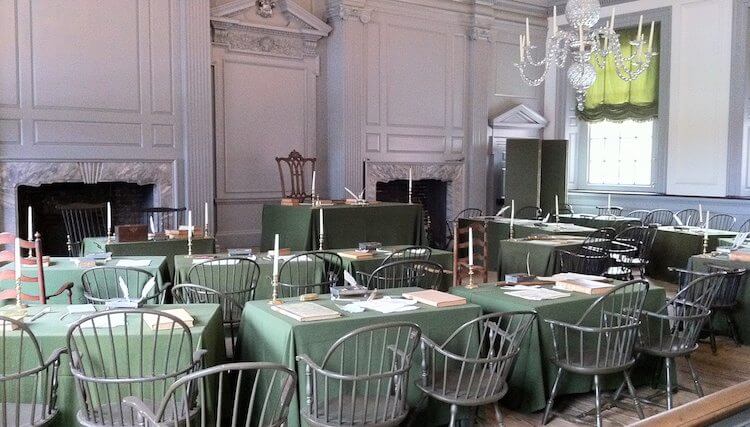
(620, 153)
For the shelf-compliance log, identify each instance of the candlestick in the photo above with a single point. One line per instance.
(471, 284)
(276, 255)
(471, 247)
(109, 222)
(700, 213)
(205, 219)
(512, 216)
(190, 233)
(554, 20)
(20, 307)
(609, 204)
(640, 28)
(651, 38)
(312, 190)
(30, 231)
(528, 36)
(275, 277)
(520, 47)
(705, 243)
(557, 209)
(410, 181)
(320, 232)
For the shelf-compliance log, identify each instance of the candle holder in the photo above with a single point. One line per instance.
(410, 196)
(18, 309)
(320, 242)
(705, 243)
(510, 232)
(275, 291)
(110, 235)
(190, 246)
(69, 243)
(471, 284)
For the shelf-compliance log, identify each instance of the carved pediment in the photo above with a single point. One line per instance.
(286, 17)
(519, 116)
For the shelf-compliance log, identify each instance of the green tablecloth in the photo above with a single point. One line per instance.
(51, 333)
(444, 258)
(263, 290)
(533, 374)
(543, 260)
(63, 270)
(498, 229)
(673, 248)
(594, 221)
(167, 248)
(272, 337)
(741, 313)
(345, 226)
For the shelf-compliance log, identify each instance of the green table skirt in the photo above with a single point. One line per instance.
(673, 248)
(51, 333)
(617, 222)
(741, 313)
(345, 226)
(444, 258)
(166, 248)
(499, 230)
(265, 335)
(543, 259)
(63, 270)
(530, 383)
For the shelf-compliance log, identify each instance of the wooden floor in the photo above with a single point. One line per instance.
(729, 366)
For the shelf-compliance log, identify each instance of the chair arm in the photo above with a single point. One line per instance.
(66, 287)
(55, 356)
(304, 358)
(198, 355)
(143, 410)
(682, 270)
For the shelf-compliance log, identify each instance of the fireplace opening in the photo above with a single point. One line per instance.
(127, 199)
(430, 193)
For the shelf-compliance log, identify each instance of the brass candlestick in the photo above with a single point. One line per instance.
(471, 284)
(205, 231)
(320, 242)
(19, 309)
(190, 246)
(275, 291)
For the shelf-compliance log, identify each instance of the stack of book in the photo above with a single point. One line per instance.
(306, 311)
(435, 298)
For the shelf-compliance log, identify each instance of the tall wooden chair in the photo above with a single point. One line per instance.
(38, 261)
(164, 218)
(294, 166)
(461, 253)
(83, 220)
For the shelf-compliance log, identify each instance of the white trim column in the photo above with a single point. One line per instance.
(197, 114)
(478, 146)
(346, 89)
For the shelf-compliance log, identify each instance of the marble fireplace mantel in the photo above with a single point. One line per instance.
(36, 173)
(450, 172)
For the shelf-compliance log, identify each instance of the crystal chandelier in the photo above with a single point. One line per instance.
(585, 46)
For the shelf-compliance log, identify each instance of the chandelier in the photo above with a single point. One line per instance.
(585, 45)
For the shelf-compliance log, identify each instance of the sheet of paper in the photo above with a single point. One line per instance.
(518, 287)
(113, 320)
(389, 305)
(133, 262)
(538, 294)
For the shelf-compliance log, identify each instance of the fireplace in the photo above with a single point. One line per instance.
(127, 199)
(430, 193)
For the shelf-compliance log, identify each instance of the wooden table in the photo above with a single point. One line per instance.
(673, 247)
(542, 254)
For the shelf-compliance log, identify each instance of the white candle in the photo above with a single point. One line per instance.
(410, 179)
(30, 226)
(151, 224)
(276, 255)
(609, 204)
(320, 231)
(700, 213)
(205, 213)
(190, 224)
(471, 246)
(528, 37)
(18, 258)
(651, 38)
(705, 227)
(520, 47)
(557, 208)
(640, 28)
(612, 20)
(512, 212)
(109, 218)
(554, 20)
(313, 183)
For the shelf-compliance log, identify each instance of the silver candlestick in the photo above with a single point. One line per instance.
(110, 236)
(320, 242)
(471, 284)
(705, 243)
(275, 291)
(190, 246)
(510, 232)
(410, 196)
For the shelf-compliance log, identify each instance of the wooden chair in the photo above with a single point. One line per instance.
(461, 253)
(37, 259)
(164, 218)
(295, 165)
(83, 220)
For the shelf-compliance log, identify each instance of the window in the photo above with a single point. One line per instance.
(620, 153)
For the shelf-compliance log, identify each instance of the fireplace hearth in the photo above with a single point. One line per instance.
(430, 193)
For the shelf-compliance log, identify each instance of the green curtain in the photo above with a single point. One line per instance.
(614, 99)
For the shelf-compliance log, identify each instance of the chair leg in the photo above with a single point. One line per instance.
(454, 412)
(711, 336)
(668, 368)
(733, 328)
(598, 401)
(499, 414)
(638, 407)
(696, 380)
(551, 400)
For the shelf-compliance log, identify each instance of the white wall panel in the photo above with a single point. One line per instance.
(85, 54)
(10, 132)
(8, 54)
(160, 55)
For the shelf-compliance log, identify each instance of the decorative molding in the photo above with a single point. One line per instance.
(452, 173)
(293, 19)
(477, 33)
(350, 12)
(519, 117)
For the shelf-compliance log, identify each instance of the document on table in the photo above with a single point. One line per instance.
(133, 262)
(112, 320)
(389, 305)
(538, 294)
